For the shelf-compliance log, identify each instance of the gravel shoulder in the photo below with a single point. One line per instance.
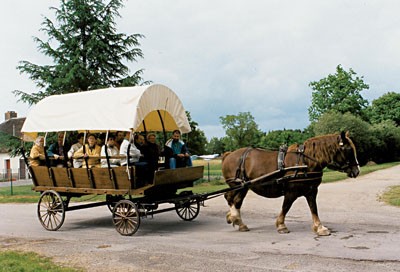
(365, 235)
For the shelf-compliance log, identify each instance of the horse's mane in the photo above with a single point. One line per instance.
(320, 148)
(225, 155)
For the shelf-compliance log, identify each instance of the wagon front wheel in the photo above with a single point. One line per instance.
(51, 210)
(188, 209)
(126, 217)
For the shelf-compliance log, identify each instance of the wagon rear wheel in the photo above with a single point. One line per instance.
(51, 210)
(126, 217)
(188, 209)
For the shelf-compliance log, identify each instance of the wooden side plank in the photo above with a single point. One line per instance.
(178, 175)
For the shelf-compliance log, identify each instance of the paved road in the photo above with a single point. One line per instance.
(365, 235)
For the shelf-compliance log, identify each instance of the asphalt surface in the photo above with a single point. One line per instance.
(365, 235)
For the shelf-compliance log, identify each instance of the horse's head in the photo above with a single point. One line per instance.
(345, 158)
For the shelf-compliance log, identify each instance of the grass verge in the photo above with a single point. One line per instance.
(392, 196)
(11, 261)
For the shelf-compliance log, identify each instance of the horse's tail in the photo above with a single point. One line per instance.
(226, 155)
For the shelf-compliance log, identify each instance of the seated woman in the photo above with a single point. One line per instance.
(37, 156)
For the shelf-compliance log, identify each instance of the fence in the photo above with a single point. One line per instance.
(14, 174)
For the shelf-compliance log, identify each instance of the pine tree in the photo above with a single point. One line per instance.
(86, 50)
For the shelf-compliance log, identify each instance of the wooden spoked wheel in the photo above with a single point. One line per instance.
(126, 217)
(51, 210)
(188, 209)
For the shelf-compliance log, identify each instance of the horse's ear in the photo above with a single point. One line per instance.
(343, 138)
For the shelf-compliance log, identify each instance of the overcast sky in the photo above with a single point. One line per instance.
(226, 56)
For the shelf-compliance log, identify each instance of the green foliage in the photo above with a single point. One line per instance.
(241, 130)
(274, 139)
(339, 92)
(28, 262)
(196, 140)
(215, 146)
(385, 142)
(334, 122)
(86, 51)
(386, 107)
(10, 144)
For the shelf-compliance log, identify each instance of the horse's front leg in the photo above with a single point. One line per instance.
(235, 201)
(317, 226)
(288, 200)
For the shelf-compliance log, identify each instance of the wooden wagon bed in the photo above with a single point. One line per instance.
(114, 181)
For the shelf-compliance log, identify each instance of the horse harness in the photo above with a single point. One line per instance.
(279, 176)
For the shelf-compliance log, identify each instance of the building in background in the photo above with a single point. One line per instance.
(11, 167)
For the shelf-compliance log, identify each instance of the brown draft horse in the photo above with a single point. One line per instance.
(335, 151)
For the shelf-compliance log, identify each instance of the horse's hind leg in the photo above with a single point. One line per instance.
(287, 204)
(235, 201)
(317, 226)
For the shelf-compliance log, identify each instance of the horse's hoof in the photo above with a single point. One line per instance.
(322, 231)
(283, 230)
(228, 218)
(243, 227)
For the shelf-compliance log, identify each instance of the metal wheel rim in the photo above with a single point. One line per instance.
(188, 210)
(126, 217)
(51, 210)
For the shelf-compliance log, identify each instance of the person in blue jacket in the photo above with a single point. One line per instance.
(176, 152)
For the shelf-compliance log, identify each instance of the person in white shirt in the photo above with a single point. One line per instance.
(77, 163)
(112, 150)
(134, 153)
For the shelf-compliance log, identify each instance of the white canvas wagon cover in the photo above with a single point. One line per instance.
(151, 108)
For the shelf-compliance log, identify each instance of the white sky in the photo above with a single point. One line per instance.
(228, 56)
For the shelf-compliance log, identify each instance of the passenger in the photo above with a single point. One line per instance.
(92, 150)
(112, 150)
(76, 163)
(37, 156)
(152, 152)
(176, 153)
(134, 153)
(140, 144)
(119, 137)
(101, 139)
(56, 151)
(151, 155)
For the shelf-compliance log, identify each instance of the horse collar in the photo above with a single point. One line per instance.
(241, 170)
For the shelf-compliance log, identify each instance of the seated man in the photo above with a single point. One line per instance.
(112, 150)
(176, 153)
(89, 152)
(56, 151)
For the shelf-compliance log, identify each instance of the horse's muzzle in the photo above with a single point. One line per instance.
(353, 172)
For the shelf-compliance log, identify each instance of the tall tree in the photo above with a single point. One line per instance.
(386, 107)
(86, 50)
(334, 122)
(215, 146)
(196, 140)
(241, 130)
(340, 92)
(274, 139)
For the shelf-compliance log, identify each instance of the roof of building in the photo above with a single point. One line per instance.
(11, 127)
